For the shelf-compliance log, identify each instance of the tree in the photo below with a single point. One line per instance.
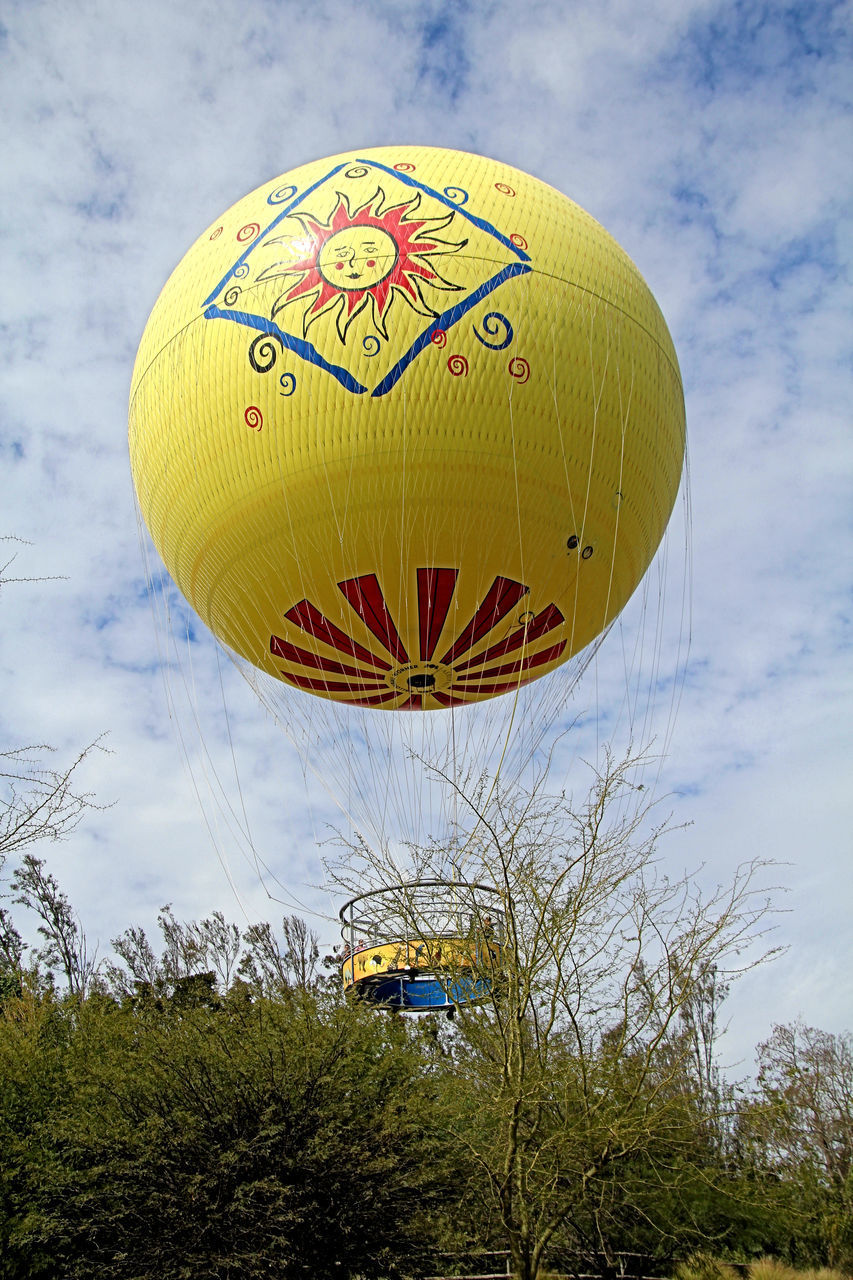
(34, 1035)
(574, 1083)
(214, 1135)
(801, 1122)
(11, 956)
(189, 949)
(65, 944)
(216, 947)
(40, 804)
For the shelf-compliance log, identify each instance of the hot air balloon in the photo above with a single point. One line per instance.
(406, 428)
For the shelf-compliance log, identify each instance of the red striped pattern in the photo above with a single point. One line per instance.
(309, 619)
(435, 592)
(367, 683)
(365, 596)
(544, 622)
(503, 595)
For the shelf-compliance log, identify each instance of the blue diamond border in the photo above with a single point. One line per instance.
(306, 350)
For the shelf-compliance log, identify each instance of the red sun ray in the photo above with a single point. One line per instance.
(544, 622)
(318, 685)
(435, 592)
(365, 596)
(476, 678)
(308, 618)
(304, 658)
(502, 596)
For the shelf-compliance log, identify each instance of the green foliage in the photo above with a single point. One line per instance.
(33, 1049)
(798, 1128)
(209, 1137)
(586, 1099)
(213, 1107)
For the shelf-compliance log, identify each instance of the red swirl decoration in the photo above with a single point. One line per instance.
(518, 241)
(439, 338)
(405, 167)
(519, 369)
(248, 232)
(253, 417)
(214, 234)
(458, 366)
(504, 189)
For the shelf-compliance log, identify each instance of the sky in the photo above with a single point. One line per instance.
(712, 140)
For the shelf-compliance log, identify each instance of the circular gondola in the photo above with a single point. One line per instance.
(423, 946)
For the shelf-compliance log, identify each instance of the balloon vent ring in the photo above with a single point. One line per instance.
(421, 677)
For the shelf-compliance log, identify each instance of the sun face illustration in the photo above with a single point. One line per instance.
(362, 259)
(357, 258)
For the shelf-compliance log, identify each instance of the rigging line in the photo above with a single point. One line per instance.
(313, 725)
(189, 688)
(208, 767)
(685, 619)
(162, 629)
(483, 807)
(661, 569)
(227, 717)
(578, 525)
(518, 686)
(249, 675)
(638, 684)
(181, 668)
(287, 728)
(220, 797)
(624, 415)
(191, 773)
(660, 633)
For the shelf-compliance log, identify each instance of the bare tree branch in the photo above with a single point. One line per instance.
(39, 803)
(592, 1045)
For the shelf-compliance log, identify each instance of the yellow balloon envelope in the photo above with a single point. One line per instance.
(406, 427)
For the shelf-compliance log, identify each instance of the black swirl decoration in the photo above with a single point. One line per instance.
(231, 295)
(281, 194)
(263, 353)
(457, 194)
(287, 384)
(496, 326)
(242, 271)
(357, 171)
(371, 345)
